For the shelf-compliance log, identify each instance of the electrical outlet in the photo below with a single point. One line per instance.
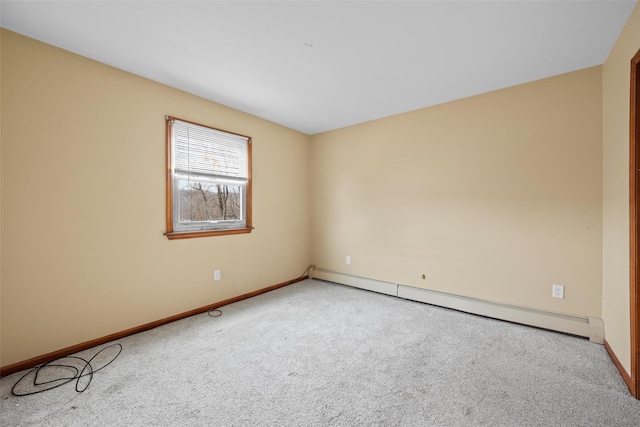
(216, 275)
(557, 291)
(348, 260)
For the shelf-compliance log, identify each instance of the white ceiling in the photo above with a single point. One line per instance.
(317, 66)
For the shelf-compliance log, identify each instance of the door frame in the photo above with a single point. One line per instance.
(634, 228)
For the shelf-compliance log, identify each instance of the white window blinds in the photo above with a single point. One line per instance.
(199, 151)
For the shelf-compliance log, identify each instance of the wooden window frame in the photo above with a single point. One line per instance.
(171, 233)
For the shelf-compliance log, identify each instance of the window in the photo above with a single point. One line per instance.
(208, 181)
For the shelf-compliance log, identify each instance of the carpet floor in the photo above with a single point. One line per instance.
(320, 354)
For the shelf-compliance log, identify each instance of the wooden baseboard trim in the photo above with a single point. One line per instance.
(623, 373)
(38, 360)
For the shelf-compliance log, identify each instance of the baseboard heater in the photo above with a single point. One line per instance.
(590, 327)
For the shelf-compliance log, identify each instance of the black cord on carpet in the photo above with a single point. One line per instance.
(40, 385)
(218, 313)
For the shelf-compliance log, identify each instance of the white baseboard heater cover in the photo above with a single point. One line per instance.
(590, 327)
(357, 282)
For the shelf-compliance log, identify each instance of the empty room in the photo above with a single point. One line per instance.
(319, 213)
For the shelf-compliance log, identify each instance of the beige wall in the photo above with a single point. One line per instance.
(83, 203)
(615, 277)
(496, 197)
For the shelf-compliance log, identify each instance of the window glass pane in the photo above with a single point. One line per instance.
(203, 201)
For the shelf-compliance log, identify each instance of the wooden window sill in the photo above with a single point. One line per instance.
(206, 233)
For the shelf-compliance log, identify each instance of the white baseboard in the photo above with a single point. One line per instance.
(357, 282)
(591, 327)
(596, 330)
